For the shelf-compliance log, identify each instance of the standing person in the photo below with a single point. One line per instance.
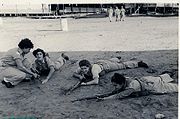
(161, 84)
(90, 72)
(122, 13)
(44, 66)
(110, 14)
(15, 66)
(117, 13)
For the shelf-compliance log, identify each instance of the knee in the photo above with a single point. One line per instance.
(21, 75)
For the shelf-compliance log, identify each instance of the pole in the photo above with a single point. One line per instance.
(147, 9)
(60, 25)
(87, 9)
(63, 8)
(16, 10)
(172, 8)
(164, 8)
(155, 9)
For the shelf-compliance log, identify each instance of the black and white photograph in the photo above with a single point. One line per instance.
(106, 59)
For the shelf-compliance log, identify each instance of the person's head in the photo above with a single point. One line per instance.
(25, 45)
(121, 7)
(116, 7)
(39, 54)
(85, 66)
(119, 81)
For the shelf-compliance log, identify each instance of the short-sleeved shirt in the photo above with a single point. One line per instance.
(159, 84)
(43, 66)
(122, 11)
(93, 73)
(9, 59)
(117, 12)
(96, 70)
(110, 11)
(134, 84)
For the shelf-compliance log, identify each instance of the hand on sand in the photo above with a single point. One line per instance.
(83, 84)
(99, 99)
(46, 80)
(36, 76)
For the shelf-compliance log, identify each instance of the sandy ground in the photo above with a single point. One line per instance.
(48, 101)
(153, 40)
(135, 34)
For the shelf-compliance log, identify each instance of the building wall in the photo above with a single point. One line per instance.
(47, 6)
(24, 8)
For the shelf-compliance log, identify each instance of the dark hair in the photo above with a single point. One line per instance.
(84, 63)
(38, 50)
(25, 43)
(119, 79)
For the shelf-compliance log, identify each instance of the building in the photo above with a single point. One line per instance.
(59, 7)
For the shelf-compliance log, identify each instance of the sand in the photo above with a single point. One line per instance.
(134, 34)
(152, 40)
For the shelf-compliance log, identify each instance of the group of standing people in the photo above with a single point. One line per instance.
(15, 68)
(119, 13)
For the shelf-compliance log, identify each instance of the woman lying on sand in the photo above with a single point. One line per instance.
(91, 72)
(44, 66)
(161, 84)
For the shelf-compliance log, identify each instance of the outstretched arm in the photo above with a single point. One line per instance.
(121, 95)
(94, 81)
(76, 75)
(96, 69)
(21, 67)
(52, 70)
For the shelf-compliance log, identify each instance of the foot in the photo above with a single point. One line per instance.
(3, 82)
(171, 74)
(47, 55)
(7, 84)
(119, 57)
(26, 80)
(65, 56)
(142, 64)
